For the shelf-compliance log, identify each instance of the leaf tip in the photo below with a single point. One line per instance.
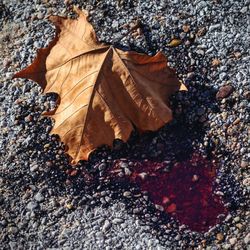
(19, 74)
(80, 12)
(73, 162)
(15, 76)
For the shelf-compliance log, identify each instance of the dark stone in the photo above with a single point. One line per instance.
(224, 92)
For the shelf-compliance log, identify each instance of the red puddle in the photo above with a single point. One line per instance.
(185, 192)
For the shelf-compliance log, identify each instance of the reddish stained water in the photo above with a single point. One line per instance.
(185, 192)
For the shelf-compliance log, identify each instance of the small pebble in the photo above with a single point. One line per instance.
(247, 239)
(232, 241)
(220, 237)
(195, 178)
(127, 194)
(32, 205)
(39, 197)
(106, 226)
(159, 207)
(224, 92)
(244, 164)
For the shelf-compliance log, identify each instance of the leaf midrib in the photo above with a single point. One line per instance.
(90, 101)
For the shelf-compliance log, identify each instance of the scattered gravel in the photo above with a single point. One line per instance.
(47, 204)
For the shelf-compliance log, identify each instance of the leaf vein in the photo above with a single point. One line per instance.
(134, 83)
(75, 99)
(71, 115)
(79, 126)
(79, 82)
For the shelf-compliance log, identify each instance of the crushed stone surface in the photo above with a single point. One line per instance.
(43, 207)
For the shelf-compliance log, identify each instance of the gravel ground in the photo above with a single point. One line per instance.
(45, 206)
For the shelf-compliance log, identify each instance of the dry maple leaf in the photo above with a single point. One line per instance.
(103, 91)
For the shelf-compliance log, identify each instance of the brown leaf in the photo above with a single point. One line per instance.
(103, 91)
(175, 42)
